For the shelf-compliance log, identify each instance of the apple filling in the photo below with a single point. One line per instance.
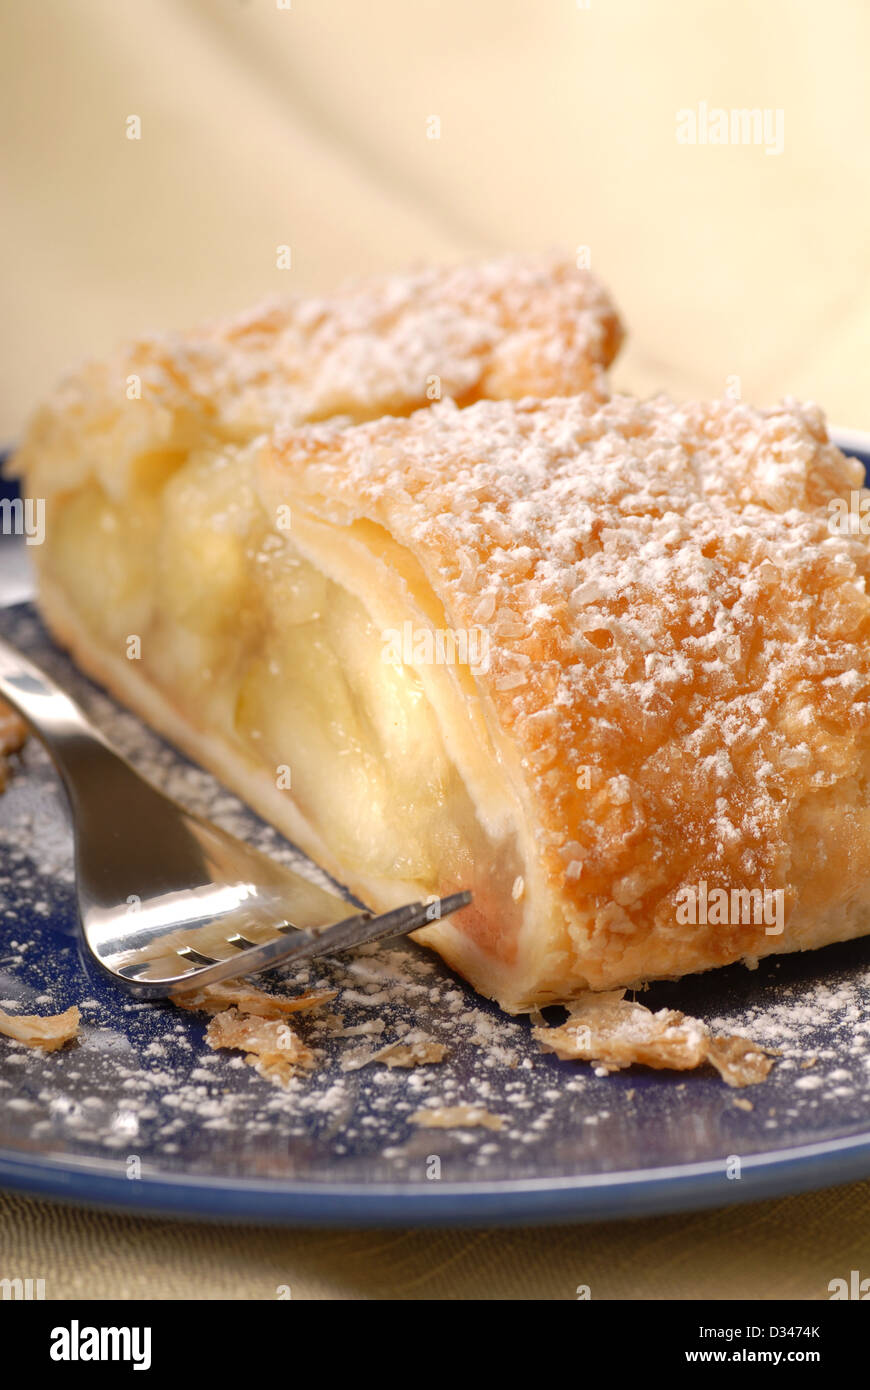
(253, 642)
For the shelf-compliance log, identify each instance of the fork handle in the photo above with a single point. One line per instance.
(54, 716)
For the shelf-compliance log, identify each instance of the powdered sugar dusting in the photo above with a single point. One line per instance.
(389, 344)
(670, 607)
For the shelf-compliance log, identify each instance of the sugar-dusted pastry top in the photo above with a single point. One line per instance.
(521, 325)
(679, 640)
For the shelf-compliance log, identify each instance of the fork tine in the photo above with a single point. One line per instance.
(360, 931)
(298, 946)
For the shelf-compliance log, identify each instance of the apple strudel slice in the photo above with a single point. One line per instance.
(604, 662)
(504, 328)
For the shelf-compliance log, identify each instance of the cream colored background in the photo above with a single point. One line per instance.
(263, 126)
(307, 126)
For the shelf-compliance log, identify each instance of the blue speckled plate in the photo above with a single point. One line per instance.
(141, 1114)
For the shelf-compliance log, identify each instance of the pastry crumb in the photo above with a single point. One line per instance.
(421, 1053)
(249, 1020)
(270, 1046)
(213, 999)
(613, 1032)
(457, 1117)
(45, 1031)
(13, 736)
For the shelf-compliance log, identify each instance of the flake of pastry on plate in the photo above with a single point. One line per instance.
(613, 1032)
(605, 663)
(269, 1044)
(13, 736)
(410, 1052)
(213, 999)
(45, 1031)
(456, 1117)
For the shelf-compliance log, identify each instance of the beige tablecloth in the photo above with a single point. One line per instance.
(264, 124)
(791, 1248)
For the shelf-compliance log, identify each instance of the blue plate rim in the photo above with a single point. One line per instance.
(604, 1196)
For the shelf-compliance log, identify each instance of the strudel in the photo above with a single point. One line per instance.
(605, 662)
(388, 345)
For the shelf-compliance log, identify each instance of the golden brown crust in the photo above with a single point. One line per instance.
(679, 653)
(517, 326)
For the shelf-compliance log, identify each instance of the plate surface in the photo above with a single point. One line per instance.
(141, 1114)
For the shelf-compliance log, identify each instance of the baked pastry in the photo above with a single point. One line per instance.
(46, 1031)
(516, 326)
(586, 657)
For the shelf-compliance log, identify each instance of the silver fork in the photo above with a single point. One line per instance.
(169, 902)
